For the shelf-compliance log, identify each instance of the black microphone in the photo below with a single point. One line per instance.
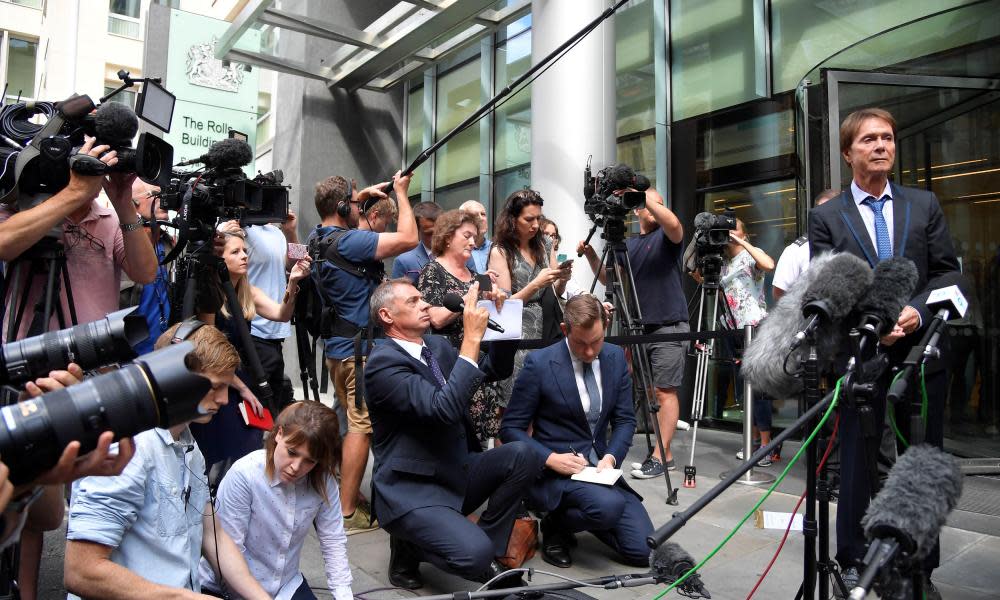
(764, 361)
(672, 562)
(906, 516)
(224, 154)
(456, 304)
(115, 124)
(893, 286)
(834, 292)
(703, 221)
(588, 181)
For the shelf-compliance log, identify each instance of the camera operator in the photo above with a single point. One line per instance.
(142, 534)
(655, 256)
(345, 285)
(99, 242)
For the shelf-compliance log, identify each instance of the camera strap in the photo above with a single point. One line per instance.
(32, 151)
(186, 329)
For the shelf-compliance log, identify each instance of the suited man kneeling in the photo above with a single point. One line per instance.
(571, 392)
(430, 472)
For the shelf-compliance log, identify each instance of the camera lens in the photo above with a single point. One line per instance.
(157, 391)
(90, 345)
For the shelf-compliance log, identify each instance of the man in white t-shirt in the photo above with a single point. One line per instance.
(794, 259)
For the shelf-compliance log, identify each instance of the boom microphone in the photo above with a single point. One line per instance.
(456, 304)
(224, 154)
(115, 124)
(764, 359)
(672, 561)
(906, 516)
(894, 284)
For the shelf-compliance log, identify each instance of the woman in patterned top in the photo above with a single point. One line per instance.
(455, 234)
(743, 285)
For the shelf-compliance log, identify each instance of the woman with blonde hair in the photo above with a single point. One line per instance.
(270, 499)
(228, 437)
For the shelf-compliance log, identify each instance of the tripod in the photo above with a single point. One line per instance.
(46, 258)
(201, 263)
(620, 292)
(709, 301)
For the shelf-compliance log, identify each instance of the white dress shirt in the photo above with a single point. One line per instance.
(269, 520)
(414, 349)
(792, 263)
(868, 216)
(578, 374)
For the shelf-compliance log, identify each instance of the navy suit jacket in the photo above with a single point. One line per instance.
(919, 233)
(423, 439)
(545, 395)
(409, 264)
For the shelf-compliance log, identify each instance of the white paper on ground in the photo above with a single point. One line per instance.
(509, 318)
(767, 519)
(605, 477)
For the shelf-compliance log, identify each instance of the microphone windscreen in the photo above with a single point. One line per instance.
(893, 286)
(839, 286)
(702, 220)
(923, 486)
(642, 183)
(668, 556)
(115, 124)
(454, 303)
(229, 153)
(764, 358)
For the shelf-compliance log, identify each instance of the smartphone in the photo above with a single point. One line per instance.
(561, 258)
(297, 251)
(485, 283)
(566, 264)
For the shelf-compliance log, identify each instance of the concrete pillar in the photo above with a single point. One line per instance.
(572, 115)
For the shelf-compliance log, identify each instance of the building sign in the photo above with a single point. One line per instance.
(212, 98)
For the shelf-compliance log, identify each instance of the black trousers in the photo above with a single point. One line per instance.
(855, 452)
(447, 539)
(273, 362)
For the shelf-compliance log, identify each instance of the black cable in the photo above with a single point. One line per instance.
(15, 119)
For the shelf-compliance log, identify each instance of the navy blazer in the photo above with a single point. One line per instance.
(545, 395)
(423, 439)
(920, 233)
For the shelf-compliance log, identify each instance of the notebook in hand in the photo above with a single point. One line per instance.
(251, 418)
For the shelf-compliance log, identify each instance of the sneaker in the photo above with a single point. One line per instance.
(764, 462)
(850, 577)
(651, 468)
(360, 522)
(637, 466)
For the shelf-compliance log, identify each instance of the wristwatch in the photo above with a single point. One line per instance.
(126, 227)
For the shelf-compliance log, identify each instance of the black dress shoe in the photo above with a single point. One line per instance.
(404, 565)
(510, 581)
(556, 545)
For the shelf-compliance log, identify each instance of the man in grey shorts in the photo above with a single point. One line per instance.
(655, 255)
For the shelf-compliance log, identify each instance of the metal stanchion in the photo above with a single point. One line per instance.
(750, 477)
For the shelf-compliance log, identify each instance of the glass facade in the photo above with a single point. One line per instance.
(740, 136)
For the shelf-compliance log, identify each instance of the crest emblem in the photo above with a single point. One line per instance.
(204, 69)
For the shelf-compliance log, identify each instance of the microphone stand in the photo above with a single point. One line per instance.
(919, 354)
(679, 519)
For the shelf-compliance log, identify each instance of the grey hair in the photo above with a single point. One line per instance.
(383, 295)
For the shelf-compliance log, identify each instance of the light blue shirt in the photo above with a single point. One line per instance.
(267, 251)
(868, 216)
(151, 514)
(481, 256)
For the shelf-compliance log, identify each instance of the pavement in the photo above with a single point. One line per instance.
(970, 543)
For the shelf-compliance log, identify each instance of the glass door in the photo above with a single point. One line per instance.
(948, 142)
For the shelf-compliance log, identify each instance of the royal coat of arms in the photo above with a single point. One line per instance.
(205, 70)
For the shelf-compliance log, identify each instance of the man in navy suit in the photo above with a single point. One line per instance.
(409, 264)
(429, 469)
(874, 220)
(569, 393)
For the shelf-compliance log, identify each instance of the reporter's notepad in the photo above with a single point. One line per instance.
(509, 318)
(605, 477)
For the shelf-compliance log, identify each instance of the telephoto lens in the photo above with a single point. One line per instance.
(157, 390)
(91, 345)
